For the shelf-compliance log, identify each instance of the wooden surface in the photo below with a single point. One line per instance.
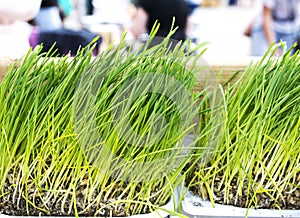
(5, 63)
(211, 3)
(224, 67)
(217, 70)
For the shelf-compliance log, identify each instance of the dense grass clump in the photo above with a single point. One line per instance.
(257, 158)
(95, 136)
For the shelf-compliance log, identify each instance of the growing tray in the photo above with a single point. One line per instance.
(195, 207)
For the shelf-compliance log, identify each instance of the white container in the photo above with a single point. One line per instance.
(193, 206)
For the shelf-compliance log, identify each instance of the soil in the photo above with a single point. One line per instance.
(290, 200)
(10, 206)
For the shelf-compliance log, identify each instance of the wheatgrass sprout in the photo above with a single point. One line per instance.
(133, 110)
(256, 163)
(96, 137)
(35, 130)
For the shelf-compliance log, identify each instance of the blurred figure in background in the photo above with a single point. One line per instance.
(51, 31)
(89, 7)
(259, 44)
(50, 16)
(148, 11)
(192, 5)
(14, 31)
(66, 6)
(232, 2)
(279, 20)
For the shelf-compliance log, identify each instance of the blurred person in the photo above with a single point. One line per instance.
(14, 31)
(232, 2)
(279, 20)
(50, 16)
(66, 6)
(50, 31)
(163, 11)
(89, 7)
(259, 44)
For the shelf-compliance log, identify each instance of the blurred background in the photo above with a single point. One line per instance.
(221, 23)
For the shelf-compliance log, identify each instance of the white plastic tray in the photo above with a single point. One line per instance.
(193, 206)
